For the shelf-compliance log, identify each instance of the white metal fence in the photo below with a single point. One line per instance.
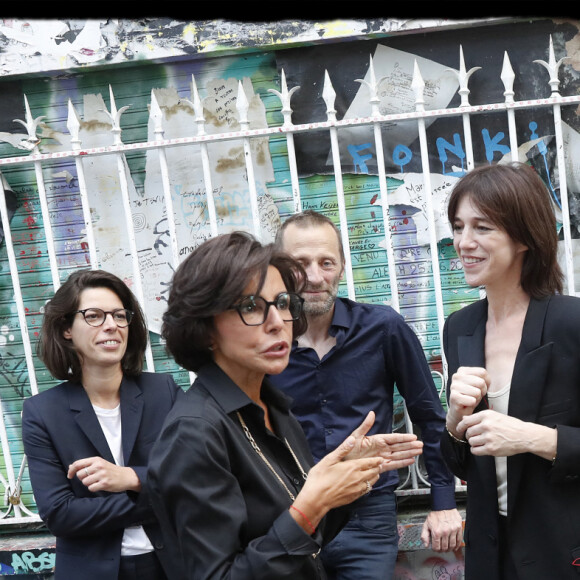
(13, 470)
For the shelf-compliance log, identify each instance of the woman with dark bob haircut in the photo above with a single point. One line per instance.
(87, 440)
(59, 353)
(229, 471)
(513, 421)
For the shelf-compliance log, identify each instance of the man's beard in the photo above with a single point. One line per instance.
(321, 307)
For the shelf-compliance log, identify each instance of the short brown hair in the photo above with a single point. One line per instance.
(307, 218)
(209, 281)
(59, 354)
(514, 197)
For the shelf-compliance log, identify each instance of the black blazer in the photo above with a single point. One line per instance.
(60, 426)
(543, 499)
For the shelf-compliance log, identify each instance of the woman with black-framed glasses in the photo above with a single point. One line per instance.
(232, 477)
(88, 439)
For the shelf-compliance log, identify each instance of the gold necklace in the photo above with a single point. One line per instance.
(262, 456)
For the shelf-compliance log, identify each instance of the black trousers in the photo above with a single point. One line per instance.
(141, 567)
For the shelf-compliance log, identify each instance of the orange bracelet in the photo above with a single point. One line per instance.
(305, 518)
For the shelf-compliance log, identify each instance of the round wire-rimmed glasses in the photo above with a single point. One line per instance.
(96, 316)
(253, 310)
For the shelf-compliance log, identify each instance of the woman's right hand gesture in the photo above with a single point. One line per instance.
(398, 450)
(468, 387)
(334, 482)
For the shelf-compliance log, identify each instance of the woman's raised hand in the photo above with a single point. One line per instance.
(468, 387)
(397, 449)
(334, 482)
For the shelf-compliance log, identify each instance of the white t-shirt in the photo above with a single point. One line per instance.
(135, 540)
(499, 401)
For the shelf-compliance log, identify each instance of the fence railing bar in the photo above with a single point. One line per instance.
(157, 116)
(418, 86)
(569, 260)
(508, 76)
(73, 125)
(323, 125)
(391, 262)
(19, 505)
(7, 455)
(242, 106)
(31, 125)
(207, 179)
(17, 288)
(115, 116)
(463, 76)
(378, 136)
(285, 95)
(138, 285)
(329, 95)
(552, 67)
(47, 226)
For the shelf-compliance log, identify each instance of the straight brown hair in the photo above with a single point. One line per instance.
(514, 198)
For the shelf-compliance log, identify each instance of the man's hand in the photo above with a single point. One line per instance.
(443, 529)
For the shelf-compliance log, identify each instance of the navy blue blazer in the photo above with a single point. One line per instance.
(543, 522)
(60, 426)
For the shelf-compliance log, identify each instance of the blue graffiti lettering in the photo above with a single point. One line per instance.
(493, 144)
(457, 149)
(359, 160)
(402, 155)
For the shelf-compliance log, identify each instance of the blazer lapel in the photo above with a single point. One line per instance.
(531, 366)
(131, 413)
(86, 419)
(471, 353)
(528, 383)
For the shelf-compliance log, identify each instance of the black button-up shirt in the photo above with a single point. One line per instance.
(219, 501)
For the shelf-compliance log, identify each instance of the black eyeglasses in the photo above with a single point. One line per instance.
(96, 317)
(253, 310)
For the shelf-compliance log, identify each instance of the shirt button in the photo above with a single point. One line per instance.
(296, 481)
(329, 431)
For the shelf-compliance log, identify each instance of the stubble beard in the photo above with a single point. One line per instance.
(321, 307)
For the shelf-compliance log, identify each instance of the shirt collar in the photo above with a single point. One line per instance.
(230, 397)
(341, 316)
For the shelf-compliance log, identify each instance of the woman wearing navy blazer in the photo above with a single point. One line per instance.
(88, 439)
(513, 422)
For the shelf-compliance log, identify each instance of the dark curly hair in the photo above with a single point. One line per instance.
(209, 281)
(59, 354)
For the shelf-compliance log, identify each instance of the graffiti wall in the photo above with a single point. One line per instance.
(126, 81)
